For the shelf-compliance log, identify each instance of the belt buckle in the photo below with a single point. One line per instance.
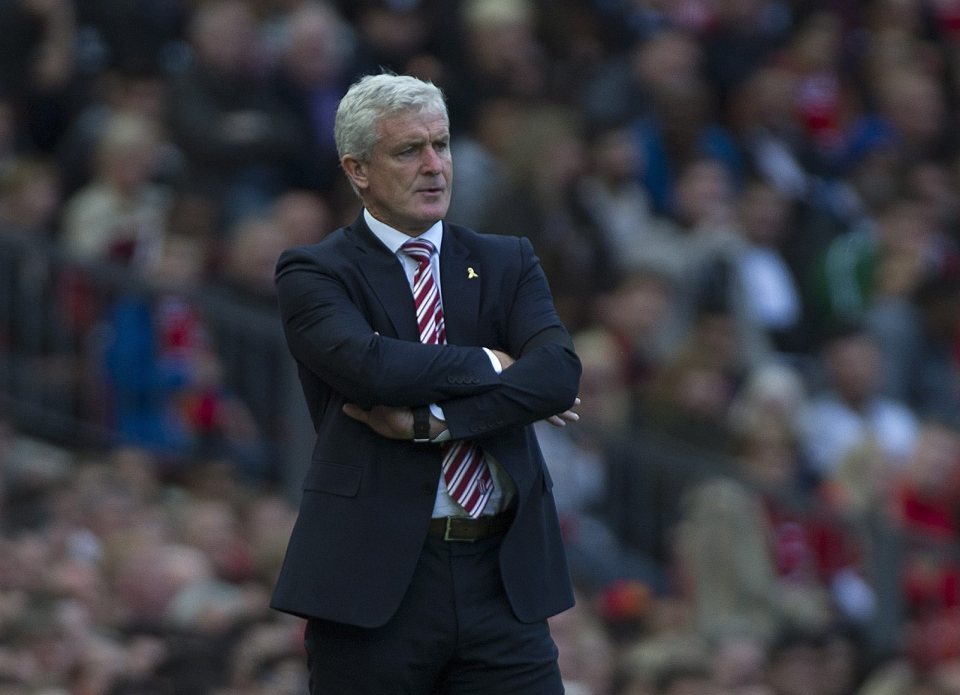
(448, 533)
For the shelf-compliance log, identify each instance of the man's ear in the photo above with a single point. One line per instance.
(355, 170)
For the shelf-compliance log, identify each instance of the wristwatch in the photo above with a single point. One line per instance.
(421, 425)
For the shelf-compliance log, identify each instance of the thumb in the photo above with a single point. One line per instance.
(356, 412)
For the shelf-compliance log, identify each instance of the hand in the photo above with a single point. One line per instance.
(561, 419)
(505, 359)
(393, 422)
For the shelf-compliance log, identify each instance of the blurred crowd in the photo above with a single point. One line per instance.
(749, 214)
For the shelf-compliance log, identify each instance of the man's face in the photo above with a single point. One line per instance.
(407, 182)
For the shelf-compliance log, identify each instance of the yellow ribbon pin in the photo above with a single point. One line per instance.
(471, 273)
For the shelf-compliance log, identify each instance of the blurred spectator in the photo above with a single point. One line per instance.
(880, 260)
(41, 354)
(739, 664)
(745, 549)
(897, 34)
(689, 394)
(315, 67)
(616, 202)
(773, 394)
(37, 65)
(236, 138)
(771, 298)
(814, 542)
(586, 652)
(302, 217)
(132, 36)
(740, 36)
(925, 498)
(929, 370)
(682, 128)
(931, 181)
(849, 428)
(121, 215)
(395, 35)
(580, 459)
(824, 99)
(500, 57)
(250, 257)
(244, 278)
(769, 132)
(661, 661)
(137, 92)
(29, 198)
(545, 161)
(638, 312)
(911, 104)
(620, 91)
(801, 659)
(164, 377)
(480, 153)
(722, 238)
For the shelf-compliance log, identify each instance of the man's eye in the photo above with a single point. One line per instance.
(441, 146)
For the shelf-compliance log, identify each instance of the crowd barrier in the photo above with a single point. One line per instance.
(55, 320)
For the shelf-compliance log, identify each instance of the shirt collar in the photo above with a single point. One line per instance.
(393, 239)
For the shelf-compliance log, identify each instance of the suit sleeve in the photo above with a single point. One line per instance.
(544, 379)
(329, 335)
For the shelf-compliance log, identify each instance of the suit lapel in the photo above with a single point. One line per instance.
(385, 276)
(460, 278)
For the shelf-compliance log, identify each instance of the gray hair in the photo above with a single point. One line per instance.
(371, 98)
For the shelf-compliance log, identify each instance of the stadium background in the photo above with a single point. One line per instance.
(748, 211)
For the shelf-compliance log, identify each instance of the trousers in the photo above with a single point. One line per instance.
(453, 634)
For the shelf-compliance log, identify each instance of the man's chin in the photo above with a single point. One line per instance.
(430, 213)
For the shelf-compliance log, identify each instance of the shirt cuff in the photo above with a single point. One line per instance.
(494, 361)
(437, 412)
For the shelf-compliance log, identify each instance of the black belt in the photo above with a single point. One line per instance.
(463, 528)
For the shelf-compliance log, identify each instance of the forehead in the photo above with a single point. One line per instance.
(412, 124)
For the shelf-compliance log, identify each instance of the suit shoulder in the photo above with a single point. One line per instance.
(496, 243)
(333, 240)
(328, 248)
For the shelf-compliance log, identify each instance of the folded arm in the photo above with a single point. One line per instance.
(330, 336)
(541, 383)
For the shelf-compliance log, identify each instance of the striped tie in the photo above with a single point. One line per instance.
(464, 469)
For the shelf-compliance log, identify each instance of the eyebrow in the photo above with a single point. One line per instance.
(420, 142)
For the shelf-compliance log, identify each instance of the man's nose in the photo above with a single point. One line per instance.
(432, 162)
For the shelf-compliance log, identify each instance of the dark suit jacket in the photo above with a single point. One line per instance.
(348, 314)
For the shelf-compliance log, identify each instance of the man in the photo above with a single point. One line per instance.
(427, 554)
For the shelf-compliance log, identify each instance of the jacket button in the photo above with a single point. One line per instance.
(427, 490)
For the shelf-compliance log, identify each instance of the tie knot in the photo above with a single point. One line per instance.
(419, 250)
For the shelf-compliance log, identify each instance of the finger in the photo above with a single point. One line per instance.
(356, 412)
(556, 421)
